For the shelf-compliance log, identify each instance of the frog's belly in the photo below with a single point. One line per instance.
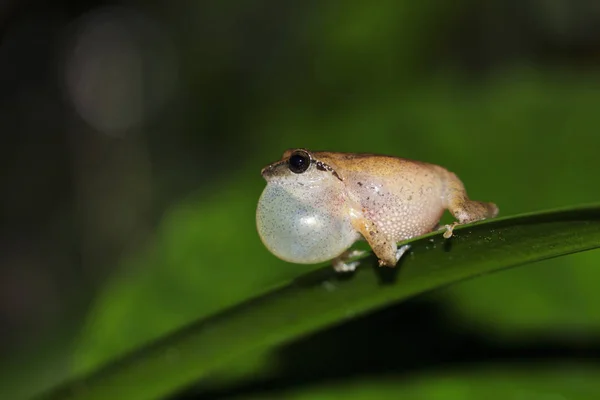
(401, 220)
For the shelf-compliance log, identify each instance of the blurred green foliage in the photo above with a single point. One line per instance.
(382, 78)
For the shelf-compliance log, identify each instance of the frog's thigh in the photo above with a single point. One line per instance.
(461, 207)
(383, 246)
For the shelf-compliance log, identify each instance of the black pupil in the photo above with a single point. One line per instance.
(299, 163)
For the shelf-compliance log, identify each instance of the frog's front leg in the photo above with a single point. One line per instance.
(461, 207)
(341, 264)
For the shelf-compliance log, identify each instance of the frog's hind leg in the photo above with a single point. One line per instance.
(384, 247)
(462, 208)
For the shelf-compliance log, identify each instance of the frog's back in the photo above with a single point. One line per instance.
(403, 197)
(377, 164)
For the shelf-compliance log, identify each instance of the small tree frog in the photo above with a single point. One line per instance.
(318, 204)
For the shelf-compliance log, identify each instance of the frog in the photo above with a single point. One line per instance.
(318, 204)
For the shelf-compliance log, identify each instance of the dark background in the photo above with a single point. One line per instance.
(133, 133)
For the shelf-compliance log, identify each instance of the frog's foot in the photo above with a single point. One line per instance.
(340, 263)
(439, 227)
(342, 266)
(355, 253)
(399, 253)
(449, 230)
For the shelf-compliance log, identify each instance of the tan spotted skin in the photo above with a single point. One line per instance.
(399, 199)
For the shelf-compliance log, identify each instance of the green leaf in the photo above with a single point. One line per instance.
(533, 382)
(322, 298)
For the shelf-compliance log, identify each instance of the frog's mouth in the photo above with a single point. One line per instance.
(273, 170)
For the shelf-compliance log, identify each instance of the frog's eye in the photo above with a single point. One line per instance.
(299, 162)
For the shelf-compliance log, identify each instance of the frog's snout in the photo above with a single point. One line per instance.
(267, 171)
(273, 170)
